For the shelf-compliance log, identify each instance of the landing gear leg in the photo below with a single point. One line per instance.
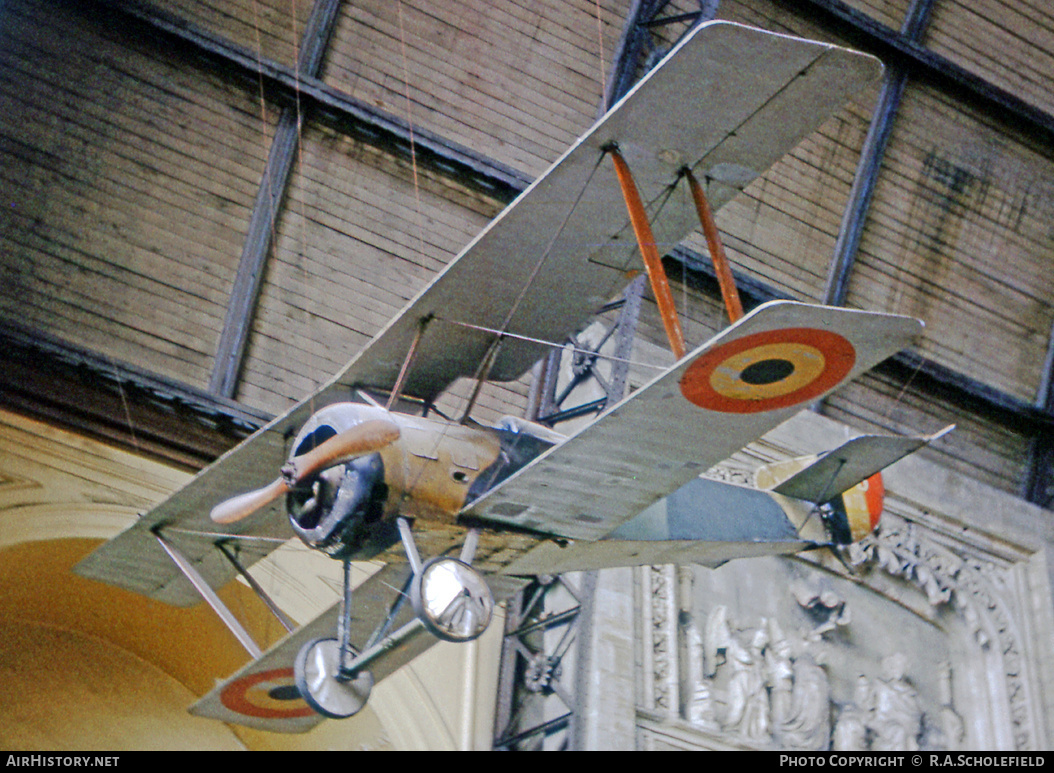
(449, 597)
(321, 668)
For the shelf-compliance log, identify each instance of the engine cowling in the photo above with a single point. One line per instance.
(341, 509)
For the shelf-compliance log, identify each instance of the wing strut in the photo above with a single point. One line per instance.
(649, 252)
(282, 617)
(722, 269)
(210, 596)
(400, 380)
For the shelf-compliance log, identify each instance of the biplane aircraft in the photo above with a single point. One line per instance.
(460, 511)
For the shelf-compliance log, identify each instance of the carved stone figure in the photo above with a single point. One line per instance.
(779, 674)
(895, 713)
(699, 708)
(807, 725)
(827, 608)
(850, 731)
(948, 731)
(748, 706)
(717, 638)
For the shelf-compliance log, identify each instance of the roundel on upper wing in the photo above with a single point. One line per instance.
(266, 695)
(768, 370)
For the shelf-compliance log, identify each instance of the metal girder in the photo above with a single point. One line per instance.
(374, 126)
(536, 694)
(645, 16)
(857, 208)
(322, 103)
(230, 352)
(1039, 478)
(584, 359)
(897, 48)
(926, 375)
(1038, 485)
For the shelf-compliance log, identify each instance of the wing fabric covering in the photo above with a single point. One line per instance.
(262, 694)
(729, 101)
(704, 522)
(657, 439)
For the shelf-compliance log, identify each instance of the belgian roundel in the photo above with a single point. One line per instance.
(768, 370)
(267, 695)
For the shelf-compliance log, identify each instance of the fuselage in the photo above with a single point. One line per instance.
(429, 472)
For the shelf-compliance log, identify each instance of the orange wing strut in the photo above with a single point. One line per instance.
(650, 253)
(717, 251)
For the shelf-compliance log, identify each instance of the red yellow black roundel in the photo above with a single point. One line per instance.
(768, 370)
(266, 695)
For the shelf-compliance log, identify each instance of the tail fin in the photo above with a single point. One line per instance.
(852, 470)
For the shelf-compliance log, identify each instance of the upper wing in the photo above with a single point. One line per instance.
(728, 101)
(726, 394)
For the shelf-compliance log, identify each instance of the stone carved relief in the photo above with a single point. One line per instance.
(978, 589)
(663, 643)
(771, 689)
(758, 685)
(769, 683)
(885, 715)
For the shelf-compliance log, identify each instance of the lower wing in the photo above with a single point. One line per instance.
(729, 392)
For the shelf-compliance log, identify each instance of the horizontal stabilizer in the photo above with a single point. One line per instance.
(705, 522)
(549, 558)
(841, 469)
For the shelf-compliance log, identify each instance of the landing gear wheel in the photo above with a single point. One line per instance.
(317, 674)
(452, 599)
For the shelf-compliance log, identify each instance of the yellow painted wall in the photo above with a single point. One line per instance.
(86, 666)
(64, 689)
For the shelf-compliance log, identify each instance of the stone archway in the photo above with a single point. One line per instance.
(134, 664)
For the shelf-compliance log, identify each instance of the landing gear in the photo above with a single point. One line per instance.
(449, 597)
(323, 684)
(452, 600)
(322, 671)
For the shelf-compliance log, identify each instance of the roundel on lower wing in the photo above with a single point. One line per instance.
(266, 695)
(768, 370)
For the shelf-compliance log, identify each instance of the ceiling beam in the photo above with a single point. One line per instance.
(96, 396)
(364, 122)
(869, 167)
(317, 100)
(927, 376)
(234, 336)
(898, 48)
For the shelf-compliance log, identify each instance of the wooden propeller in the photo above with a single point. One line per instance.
(361, 439)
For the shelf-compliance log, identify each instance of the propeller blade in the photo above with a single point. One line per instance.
(236, 508)
(361, 439)
(365, 438)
